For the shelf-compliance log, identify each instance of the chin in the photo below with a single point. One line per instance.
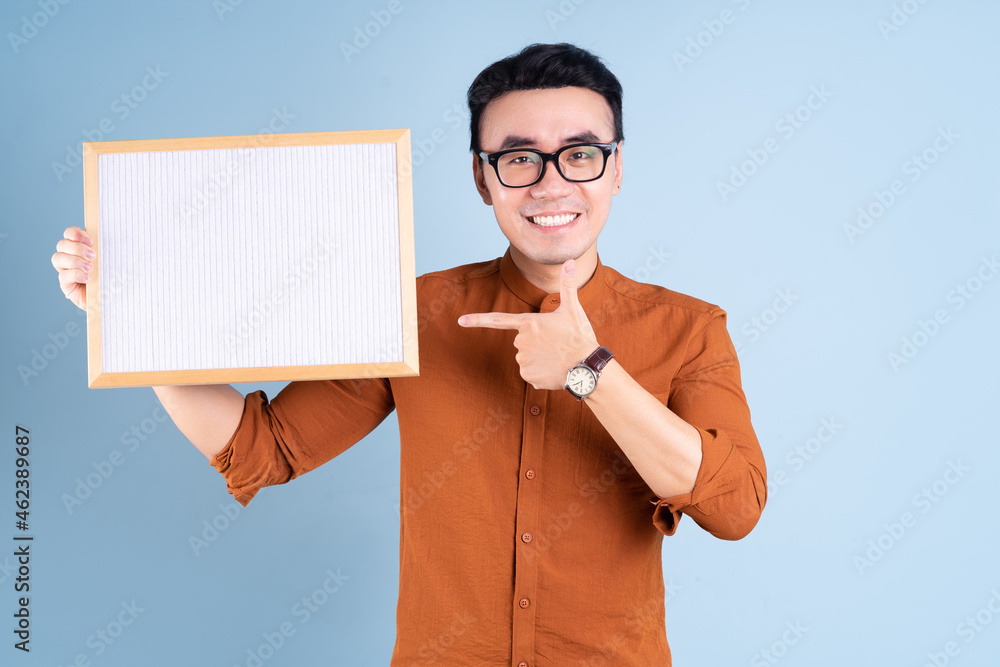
(552, 258)
(549, 254)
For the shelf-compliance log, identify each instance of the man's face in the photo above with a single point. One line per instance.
(547, 120)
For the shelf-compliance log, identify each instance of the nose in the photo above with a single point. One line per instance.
(552, 185)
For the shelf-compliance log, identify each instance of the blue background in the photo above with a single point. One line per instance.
(688, 124)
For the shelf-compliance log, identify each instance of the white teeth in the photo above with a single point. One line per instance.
(553, 220)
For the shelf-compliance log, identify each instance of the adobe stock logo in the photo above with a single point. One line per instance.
(30, 27)
(304, 609)
(800, 455)
(697, 44)
(228, 513)
(968, 629)
(960, 295)
(779, 648)
(107, 635)
(923, 500)
(122, 107)
(913, 168)
(565, 9)
(50, 350)
(364, 35)
(759, 324)
(901, 13)
(787, 126)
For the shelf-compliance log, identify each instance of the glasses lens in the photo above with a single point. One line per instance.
(519, 167)
(581, 163)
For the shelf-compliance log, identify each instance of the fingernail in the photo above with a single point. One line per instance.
(571, 267)
(90, 254)
(87, 266)
(463, 320)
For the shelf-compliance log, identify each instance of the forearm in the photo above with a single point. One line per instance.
(206, 414)
(664, 449)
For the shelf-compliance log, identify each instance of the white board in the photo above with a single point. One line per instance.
(235, 259)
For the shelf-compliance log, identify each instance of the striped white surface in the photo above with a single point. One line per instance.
(249, 257)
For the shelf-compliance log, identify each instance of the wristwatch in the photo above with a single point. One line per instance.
(581, 380)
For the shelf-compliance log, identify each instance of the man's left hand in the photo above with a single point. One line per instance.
(548, 344)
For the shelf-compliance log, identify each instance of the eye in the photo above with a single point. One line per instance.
(582, 155)
(519, 159)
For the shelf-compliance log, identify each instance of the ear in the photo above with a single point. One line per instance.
(618, 167)
(478, 173)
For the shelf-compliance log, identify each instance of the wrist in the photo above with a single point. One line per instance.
(609, 378)
(582, 379)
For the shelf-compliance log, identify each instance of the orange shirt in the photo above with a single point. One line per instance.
(526, 536)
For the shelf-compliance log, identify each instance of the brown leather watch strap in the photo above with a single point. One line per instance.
(599, 359)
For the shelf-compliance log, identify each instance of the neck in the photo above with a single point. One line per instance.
(546, 276)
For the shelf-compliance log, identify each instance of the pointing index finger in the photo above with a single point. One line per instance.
(492, 320)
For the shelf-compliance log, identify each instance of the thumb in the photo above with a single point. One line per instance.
(567, 285)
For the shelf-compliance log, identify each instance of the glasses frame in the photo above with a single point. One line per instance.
(492, 158)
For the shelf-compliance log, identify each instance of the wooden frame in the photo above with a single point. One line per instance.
(99, 374)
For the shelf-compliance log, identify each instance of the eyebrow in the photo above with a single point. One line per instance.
(515, 140)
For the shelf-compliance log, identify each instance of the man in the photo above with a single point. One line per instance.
(564, 417)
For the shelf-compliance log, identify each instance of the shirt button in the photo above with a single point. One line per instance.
(529, 473)
(526, 537)
(522, 664)
(524, 603)
(535, 410)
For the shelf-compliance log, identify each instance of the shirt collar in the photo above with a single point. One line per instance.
(591, 295)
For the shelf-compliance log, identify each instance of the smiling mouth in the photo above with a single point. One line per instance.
(553, 220)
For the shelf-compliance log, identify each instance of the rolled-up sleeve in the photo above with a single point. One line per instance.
(730, 489)
(307, 424)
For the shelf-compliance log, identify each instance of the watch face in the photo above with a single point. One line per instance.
(581, 381)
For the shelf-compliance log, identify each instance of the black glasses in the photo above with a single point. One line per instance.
(578, 163)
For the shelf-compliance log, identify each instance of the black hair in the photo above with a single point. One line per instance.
(541, 66)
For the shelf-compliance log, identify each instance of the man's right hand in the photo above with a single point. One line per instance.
(208, 415)
(74, 261)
